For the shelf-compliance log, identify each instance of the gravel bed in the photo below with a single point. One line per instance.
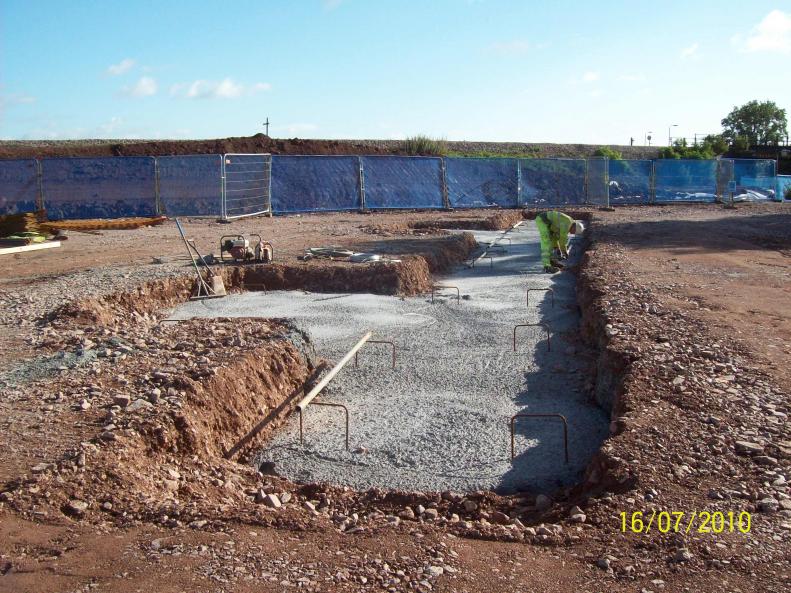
(439, 421)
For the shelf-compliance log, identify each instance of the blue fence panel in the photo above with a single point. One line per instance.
(755, 178)
(18, 186)
(630, 182)
(552, 182)
(315, 183)
(190, 185)
(481, 182)
(783, 187)
(402, 182)
(685, 180)
(112, 187)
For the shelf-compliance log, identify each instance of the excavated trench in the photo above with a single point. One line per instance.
(440, 420)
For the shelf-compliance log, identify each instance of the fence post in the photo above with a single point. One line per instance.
(157, 198)
(269, 185)
(361, 183)
(586, 187)
(444, 184)
(652, 186)
(40, 185)
(518, 183)
(222, 187)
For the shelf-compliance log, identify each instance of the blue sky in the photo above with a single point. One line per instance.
(563, 71)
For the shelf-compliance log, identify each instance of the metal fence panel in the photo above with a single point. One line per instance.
(402, 182)
(783, 187)
(755, 178)
(597, 182)
(680, 180)
(630, 181)
(190, 185)
(552, 182)
(246, 180)
(111, 187)
(18, 186)
(482, 182)
(315, 183)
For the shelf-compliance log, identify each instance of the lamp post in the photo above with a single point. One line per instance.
(669, 139)
(648, 138)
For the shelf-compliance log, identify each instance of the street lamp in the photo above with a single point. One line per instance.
(669, 139)
(648, 138)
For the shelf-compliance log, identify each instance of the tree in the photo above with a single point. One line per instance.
(760, 122)
(607, 152)
(716, 143)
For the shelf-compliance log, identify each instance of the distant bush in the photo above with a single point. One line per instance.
(608, 153)
(680, 150)
(425, 145)
(717, 143)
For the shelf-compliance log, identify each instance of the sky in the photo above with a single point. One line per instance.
(490, 70)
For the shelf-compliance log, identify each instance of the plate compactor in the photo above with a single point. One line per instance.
(241, 249)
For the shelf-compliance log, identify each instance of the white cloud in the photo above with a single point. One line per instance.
(590, 77)
(15, 99)
(596, 93)
(690, 51)
(224, 89)
(110, 126)
(121, 67)
(331, 4)
(145, 87)
(772, 34)
(510, 48)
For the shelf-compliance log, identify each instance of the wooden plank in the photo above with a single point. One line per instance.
(33, 247)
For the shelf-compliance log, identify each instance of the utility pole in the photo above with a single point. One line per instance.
(266, 125)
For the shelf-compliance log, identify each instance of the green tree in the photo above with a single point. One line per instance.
(607, 152)
(761, 122)
(717, 143)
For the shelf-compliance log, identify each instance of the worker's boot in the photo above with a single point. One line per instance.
(551, 270)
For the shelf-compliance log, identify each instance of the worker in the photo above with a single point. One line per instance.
(554, 228)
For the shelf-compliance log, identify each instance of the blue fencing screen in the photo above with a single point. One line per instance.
(112, 187)
(552, 182)
(685, 180)
(630, 182)
(783, 187)
(474, 182)
(18, 186)
(402, 182)
(755, 178)
(190, 185)
(315, 183)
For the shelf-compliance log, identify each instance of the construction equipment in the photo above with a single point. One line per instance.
(239, 250)
(210, 287)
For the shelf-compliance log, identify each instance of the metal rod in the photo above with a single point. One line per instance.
(544, 325)
(491, 261)
(379, 342)
(565, 431)
(334, 371)
(434, 289)
(549, 290)
(201, 281)
(331, 405)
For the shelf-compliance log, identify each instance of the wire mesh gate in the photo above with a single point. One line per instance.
(246, 185)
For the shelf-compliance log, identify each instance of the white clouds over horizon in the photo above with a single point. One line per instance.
(144, 87)
(121, 67)
(590, 76)
(689, 51)
(772, 34)
(224, 89)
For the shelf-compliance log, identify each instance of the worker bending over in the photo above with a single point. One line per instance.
(554, 228)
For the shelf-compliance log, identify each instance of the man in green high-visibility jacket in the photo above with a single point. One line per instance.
(554, 229)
